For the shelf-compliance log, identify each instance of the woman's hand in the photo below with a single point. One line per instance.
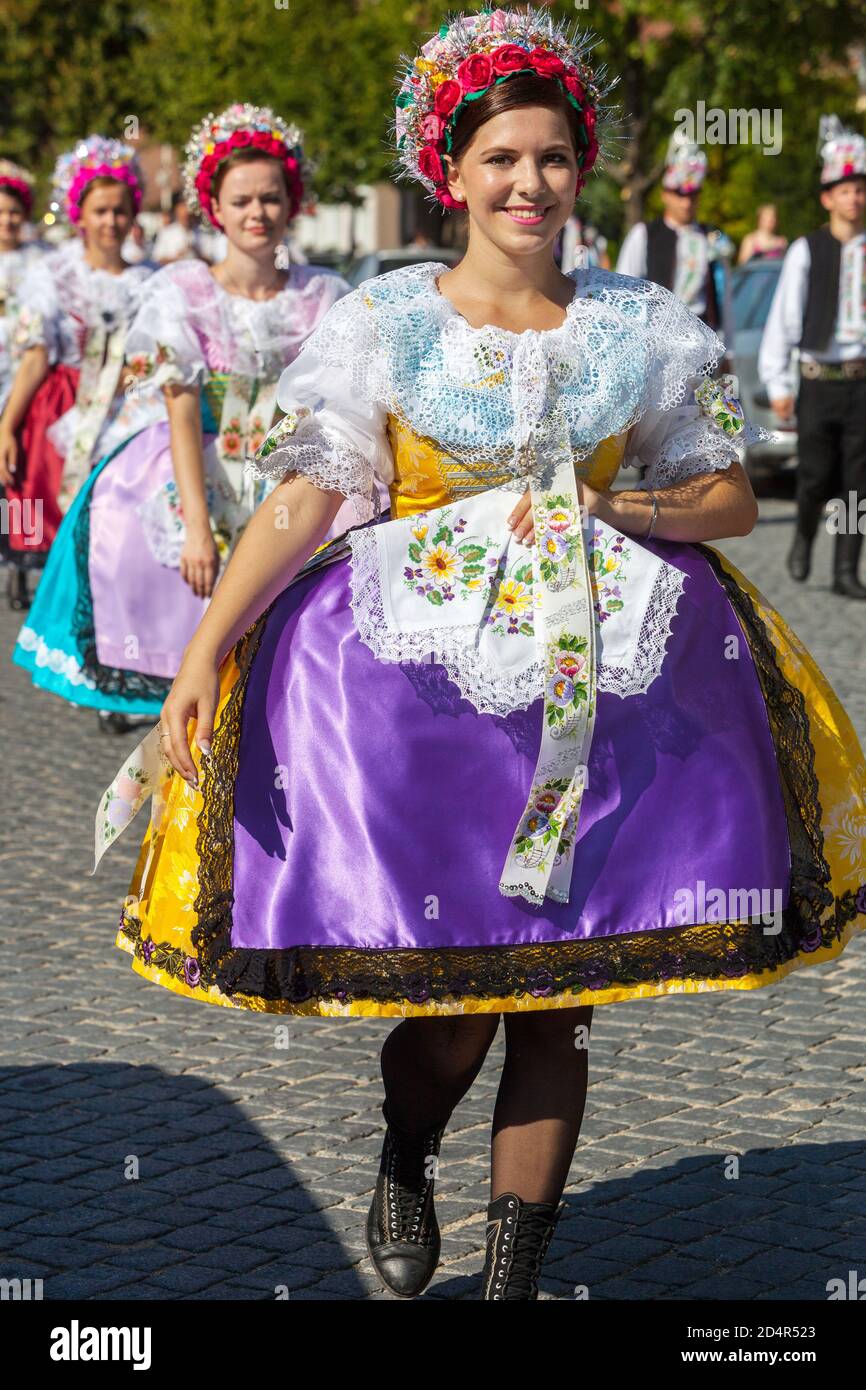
(8, 457)
(521, 520)
(194, 695)
(199, 561)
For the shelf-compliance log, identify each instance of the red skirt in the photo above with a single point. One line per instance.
(33, 515)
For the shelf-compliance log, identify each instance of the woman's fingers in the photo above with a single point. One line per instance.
(174, 721)
(522, 521)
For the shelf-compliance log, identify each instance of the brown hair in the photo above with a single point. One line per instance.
(17, 195)
(105, 181)
(522, 89)
(248, 154)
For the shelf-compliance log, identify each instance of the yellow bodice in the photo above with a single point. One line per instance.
(425, 476)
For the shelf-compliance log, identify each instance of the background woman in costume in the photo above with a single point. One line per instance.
(66, 406)
(16, 254)
(139, 553)
(334, 843)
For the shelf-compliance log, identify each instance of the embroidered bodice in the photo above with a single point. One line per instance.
(395, 384)
(189, 328)
(61, 299)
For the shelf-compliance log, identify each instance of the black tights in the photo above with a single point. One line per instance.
(428, 1065)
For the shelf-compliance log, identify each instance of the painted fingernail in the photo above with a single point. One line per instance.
(204, 746)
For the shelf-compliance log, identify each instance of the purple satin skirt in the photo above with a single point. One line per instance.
(374, 808)
(144, 613)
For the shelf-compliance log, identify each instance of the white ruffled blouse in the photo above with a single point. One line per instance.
(628, 357)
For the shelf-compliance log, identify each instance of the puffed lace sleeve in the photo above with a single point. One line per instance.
(37, 312)
(692, 422)
(333, 431)
(164, 346)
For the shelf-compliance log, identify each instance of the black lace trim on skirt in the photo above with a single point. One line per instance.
(109, 680)
(708, 952)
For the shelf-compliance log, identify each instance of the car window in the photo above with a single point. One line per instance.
(752, 293)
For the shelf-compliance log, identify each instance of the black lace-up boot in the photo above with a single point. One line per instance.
(518, 1235)
(845, 557)
(402, 1231)
(17, 590)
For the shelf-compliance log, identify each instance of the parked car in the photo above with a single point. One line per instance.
(753, 286)
(378, 262)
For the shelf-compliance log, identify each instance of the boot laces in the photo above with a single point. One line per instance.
(533, 1235)
(406, 1187)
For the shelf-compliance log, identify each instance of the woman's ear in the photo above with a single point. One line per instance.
(454, 181)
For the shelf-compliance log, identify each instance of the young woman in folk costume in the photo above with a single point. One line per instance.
(139, 553)
(67, 405)
(519, 825)
(16, 255)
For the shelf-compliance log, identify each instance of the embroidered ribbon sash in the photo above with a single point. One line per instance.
(97, 386)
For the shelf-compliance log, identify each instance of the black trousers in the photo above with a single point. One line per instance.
(831, 425)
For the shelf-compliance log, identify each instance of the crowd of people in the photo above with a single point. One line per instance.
(463, 713)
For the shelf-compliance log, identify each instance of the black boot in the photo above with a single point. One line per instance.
(111, 722)
(518, 1234)
(800, 558)
(845, 557)
(17, 591)
(403, 1237)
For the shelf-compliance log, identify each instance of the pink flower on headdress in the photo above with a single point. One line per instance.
(23, 190)
(546, 64)
(498, 22)
(430, 164)
(432, 128)
(510, 58)
(448, 94)
(475, 73)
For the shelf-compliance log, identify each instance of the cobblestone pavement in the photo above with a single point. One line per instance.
(257, 1162)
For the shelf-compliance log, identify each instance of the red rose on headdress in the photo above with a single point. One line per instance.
(574, 85)
(240, 138)
(448, 200)
(430, 164)
(432, 127)
(290, 163)
(448, 94)
(591, 153)
(589, 119)
(261, 140)
(475, 73)
(546, 63)
(509, 58)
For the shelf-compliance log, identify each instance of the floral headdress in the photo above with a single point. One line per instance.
(685, 165)
(239, 127)
(96, 157)
(843, 152)
(19, 181)
(469, 55)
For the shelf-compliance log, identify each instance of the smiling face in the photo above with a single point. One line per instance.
(106, 214)
(253, 204)
(517, 176)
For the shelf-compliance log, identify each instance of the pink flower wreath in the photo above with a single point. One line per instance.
(463, 61)
(240, 127)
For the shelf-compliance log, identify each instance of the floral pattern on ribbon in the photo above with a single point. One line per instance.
(549, 821)
(718, 401)
(558, 539)
(141, 365)
(122, 801)
(567, 686)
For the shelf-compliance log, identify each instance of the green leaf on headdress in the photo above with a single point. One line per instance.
(405, 99)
